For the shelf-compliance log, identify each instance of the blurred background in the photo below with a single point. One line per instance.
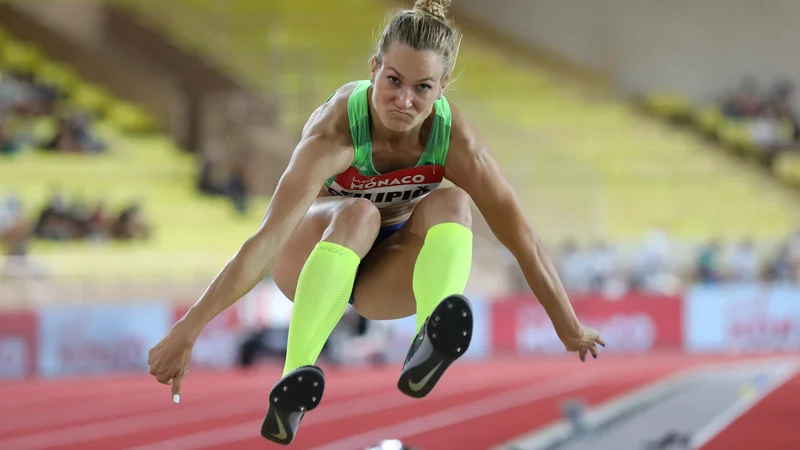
(655, 147)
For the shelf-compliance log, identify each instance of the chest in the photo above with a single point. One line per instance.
(386, 161)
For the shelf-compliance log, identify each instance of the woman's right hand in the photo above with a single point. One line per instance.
(169, 359)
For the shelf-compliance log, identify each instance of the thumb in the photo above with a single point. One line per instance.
(176, 388)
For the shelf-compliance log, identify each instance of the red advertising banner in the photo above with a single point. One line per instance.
(634, 323)
(18, 333)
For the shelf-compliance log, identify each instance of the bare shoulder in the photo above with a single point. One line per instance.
(467, 147)
(330, 120)
(326, 137)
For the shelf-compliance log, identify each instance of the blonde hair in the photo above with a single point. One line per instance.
(425, 27)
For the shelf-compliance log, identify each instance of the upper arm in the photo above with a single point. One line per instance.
(321, 153)
(471, 166)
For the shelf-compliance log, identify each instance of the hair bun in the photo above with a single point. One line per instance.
(436, 8)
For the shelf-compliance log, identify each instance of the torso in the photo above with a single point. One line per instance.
(402, 182)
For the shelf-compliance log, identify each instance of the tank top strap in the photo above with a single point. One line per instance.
(439, 139)
(358, 113)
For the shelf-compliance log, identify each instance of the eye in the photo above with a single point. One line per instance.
(393, 80)
(425, 87)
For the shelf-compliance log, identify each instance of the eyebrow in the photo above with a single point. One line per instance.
(428, 78)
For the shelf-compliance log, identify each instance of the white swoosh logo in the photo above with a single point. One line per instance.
(281, 431)
(416, 387)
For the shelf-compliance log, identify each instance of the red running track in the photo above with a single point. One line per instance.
(475, 406)
(770, 424)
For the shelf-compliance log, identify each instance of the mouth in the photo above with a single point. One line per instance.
(403, 114)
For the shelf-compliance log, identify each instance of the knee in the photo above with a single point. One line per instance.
(358, 213)
(451, 204)
(355, 224)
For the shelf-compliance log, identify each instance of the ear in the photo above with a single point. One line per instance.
(374, 68)
(443, 84)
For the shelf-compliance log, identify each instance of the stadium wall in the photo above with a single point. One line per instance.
(96, 338)
(696, 48)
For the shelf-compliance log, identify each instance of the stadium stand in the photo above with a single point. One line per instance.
(137, 166)
(620, 176)
(760, 128)
(597, 172)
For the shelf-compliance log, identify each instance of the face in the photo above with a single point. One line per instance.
(406, 85)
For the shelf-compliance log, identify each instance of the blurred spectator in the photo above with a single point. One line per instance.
(14, 237)
(652, 265)
(601, 261)
(744, 102)
(793, 257)
(708, 263)
(780, 101)
(19, 94)
(8, 144)
(130, 225)
(653, 271)
(770, 119)
(225, 178)
(22, 98)
(72, 136)
(571, 267)
(766, 131)
(743, 263)
(95, 222)
(59, 221)
(13, 226)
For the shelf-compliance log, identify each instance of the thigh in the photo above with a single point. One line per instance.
(316, 226)
(384, 287)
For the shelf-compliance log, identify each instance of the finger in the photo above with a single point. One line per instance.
(176, 389)
(582, 354)
(600, 340)
(593, 350)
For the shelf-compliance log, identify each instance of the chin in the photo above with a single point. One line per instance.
(398, 125)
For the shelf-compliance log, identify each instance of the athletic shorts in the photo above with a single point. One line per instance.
(383, 234)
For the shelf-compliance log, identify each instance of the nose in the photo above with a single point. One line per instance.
(404, 98)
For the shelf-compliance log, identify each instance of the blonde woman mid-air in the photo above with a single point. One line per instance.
(358, 217)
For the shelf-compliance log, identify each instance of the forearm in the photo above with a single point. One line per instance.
(251, 264)
(257, 256)
(545, 283)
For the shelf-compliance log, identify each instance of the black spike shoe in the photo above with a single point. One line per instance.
(295, 394)
(445, 336)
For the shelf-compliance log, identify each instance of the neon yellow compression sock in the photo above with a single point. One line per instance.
(442, 267)
(323, 292)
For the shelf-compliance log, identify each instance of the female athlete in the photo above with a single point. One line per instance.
(358, 217)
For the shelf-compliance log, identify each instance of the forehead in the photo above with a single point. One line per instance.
(413, 64)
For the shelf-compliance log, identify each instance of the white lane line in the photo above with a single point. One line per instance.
(463, 412)
(61, 413)
(150, 420)
(372, 404)
(738, 409)
(559, 430)
(546, 437)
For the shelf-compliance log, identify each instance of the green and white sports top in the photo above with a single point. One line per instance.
(399, 188)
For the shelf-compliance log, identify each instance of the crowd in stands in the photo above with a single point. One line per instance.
(60, 220)
(218, 179)
(773, 123)
(660, 264)
(26, 103)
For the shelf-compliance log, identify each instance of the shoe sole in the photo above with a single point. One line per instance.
(295, 394)
(448, 332)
